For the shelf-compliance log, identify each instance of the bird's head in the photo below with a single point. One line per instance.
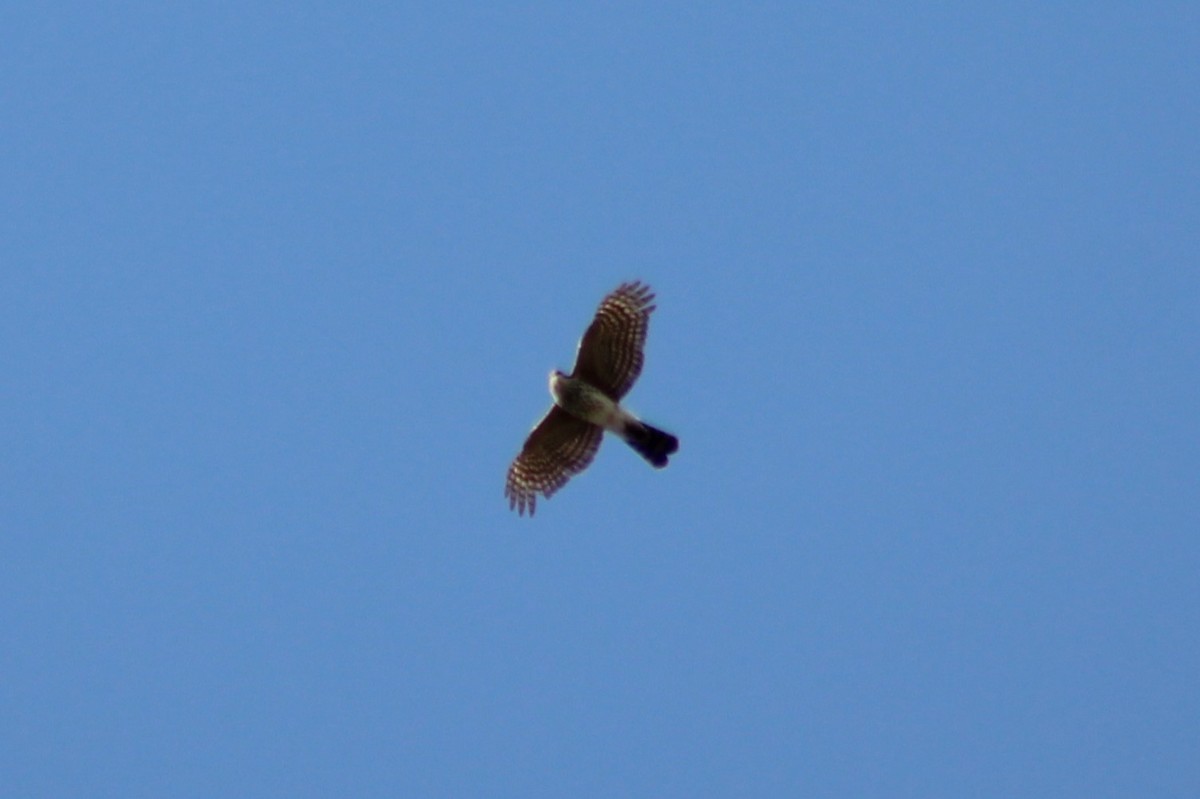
(555, 377)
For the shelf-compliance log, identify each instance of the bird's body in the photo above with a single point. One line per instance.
(587, 402)
(590, 404)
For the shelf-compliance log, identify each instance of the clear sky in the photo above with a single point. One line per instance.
(280, 286)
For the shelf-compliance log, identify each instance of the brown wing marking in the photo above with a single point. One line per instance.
(559, 447)
(610, 352)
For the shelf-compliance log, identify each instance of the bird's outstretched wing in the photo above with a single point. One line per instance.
(558, 448)
(610, 352)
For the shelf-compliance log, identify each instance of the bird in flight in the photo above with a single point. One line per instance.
(587, 402)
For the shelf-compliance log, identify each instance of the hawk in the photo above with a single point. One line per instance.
(587, 402)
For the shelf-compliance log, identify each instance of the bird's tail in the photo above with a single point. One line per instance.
(651, 443)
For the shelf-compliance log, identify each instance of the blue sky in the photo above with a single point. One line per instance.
(279, 289)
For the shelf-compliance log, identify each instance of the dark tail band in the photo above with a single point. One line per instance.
(651, 443)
